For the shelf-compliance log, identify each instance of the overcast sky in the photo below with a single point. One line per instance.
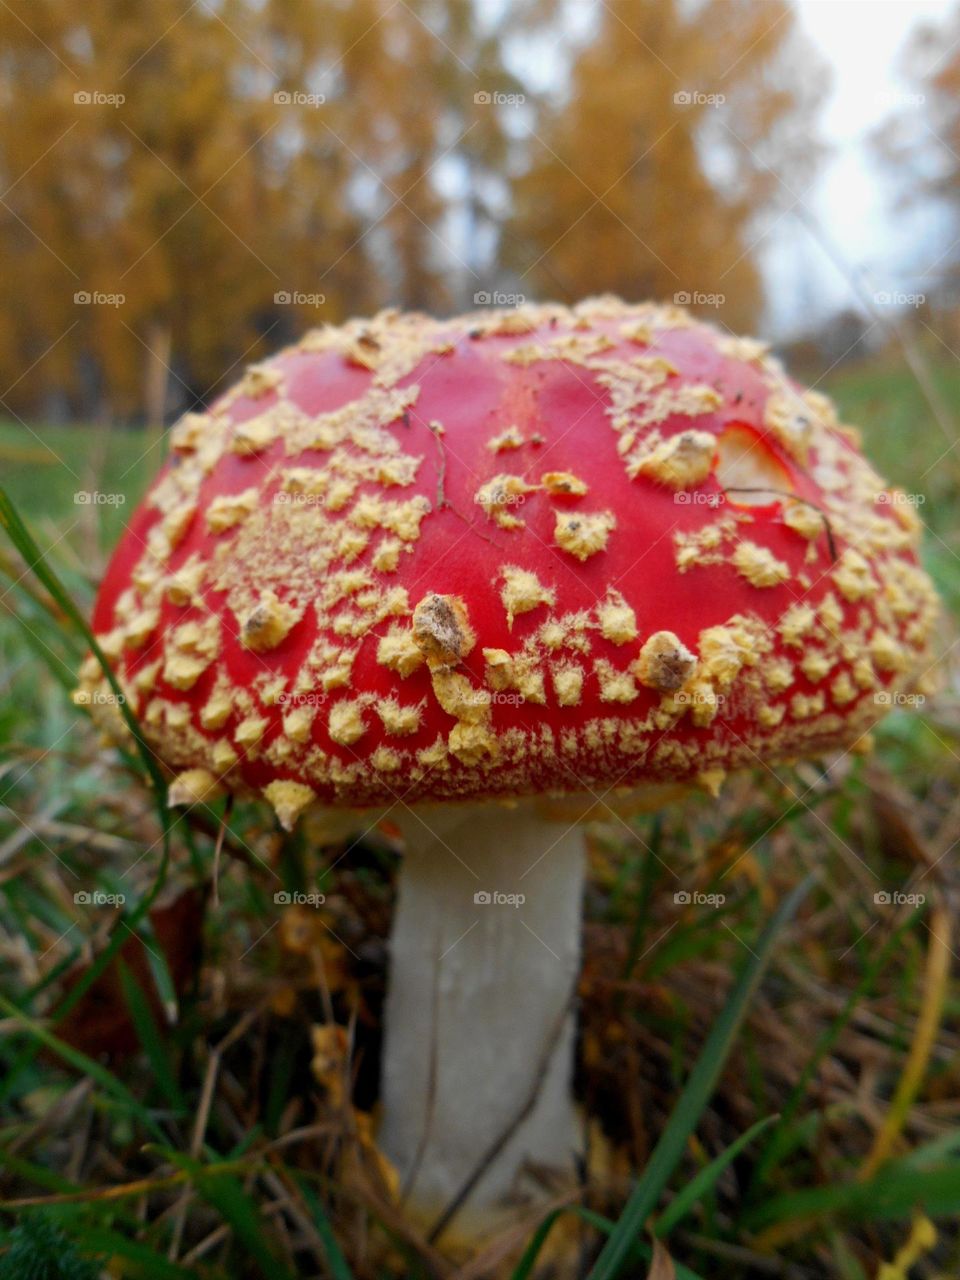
(862, 41)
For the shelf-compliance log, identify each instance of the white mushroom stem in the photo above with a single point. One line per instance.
(479, 1019)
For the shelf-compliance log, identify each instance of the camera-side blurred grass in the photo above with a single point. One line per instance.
(225, 1144)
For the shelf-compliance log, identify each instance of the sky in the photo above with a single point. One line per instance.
(862, 42)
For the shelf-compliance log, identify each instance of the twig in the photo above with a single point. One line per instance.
(437, 432)
(218, 847)
(205, 1245)
(442, 500)
(785, 493)
(196, 1142)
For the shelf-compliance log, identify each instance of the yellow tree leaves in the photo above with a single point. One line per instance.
(650, 177)
(187, 186)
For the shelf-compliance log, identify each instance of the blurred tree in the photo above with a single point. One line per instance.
(919, 145)
(681, 125)
(203, 161)
(409, 80)
(207, 171)
(147, 161)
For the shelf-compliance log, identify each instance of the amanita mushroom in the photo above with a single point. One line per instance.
(483, 575)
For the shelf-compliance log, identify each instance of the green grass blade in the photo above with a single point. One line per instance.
(37, 1174)
(86, 1066)
(531, 1253)
(151, 1040)
(225, 1193)
(692, 1101)
(339, 1267)
(242, 1214)
(639, 1249)
(895, 1193)
(777, 1144)
(62, 672)
(704, 1181)
(139, 1260)
(25, 544)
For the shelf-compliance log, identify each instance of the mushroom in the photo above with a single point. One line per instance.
(491, 577)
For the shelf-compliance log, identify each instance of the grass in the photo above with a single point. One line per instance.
(763, 1099)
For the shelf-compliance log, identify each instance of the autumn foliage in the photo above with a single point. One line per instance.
(216, 177)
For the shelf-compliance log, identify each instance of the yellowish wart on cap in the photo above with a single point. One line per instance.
(399, 652)
(499, 495)
(804, 519)
(230, 509)
(681, 462)
(618, 622)
(345, 723)
(253, 435)
(399, 720)
(523, 591)
(852, 576)
(183, 585)
(470, 743)
(563, 484)
(759, 565)
(190, 649)
(664, 663)
(711, 780)
(442, 631)
(289, 799)
(567, 683)
(511, 438)
(193, 786)
(268, 623)
(584, 535)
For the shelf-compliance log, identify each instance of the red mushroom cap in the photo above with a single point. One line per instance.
(542, 550)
